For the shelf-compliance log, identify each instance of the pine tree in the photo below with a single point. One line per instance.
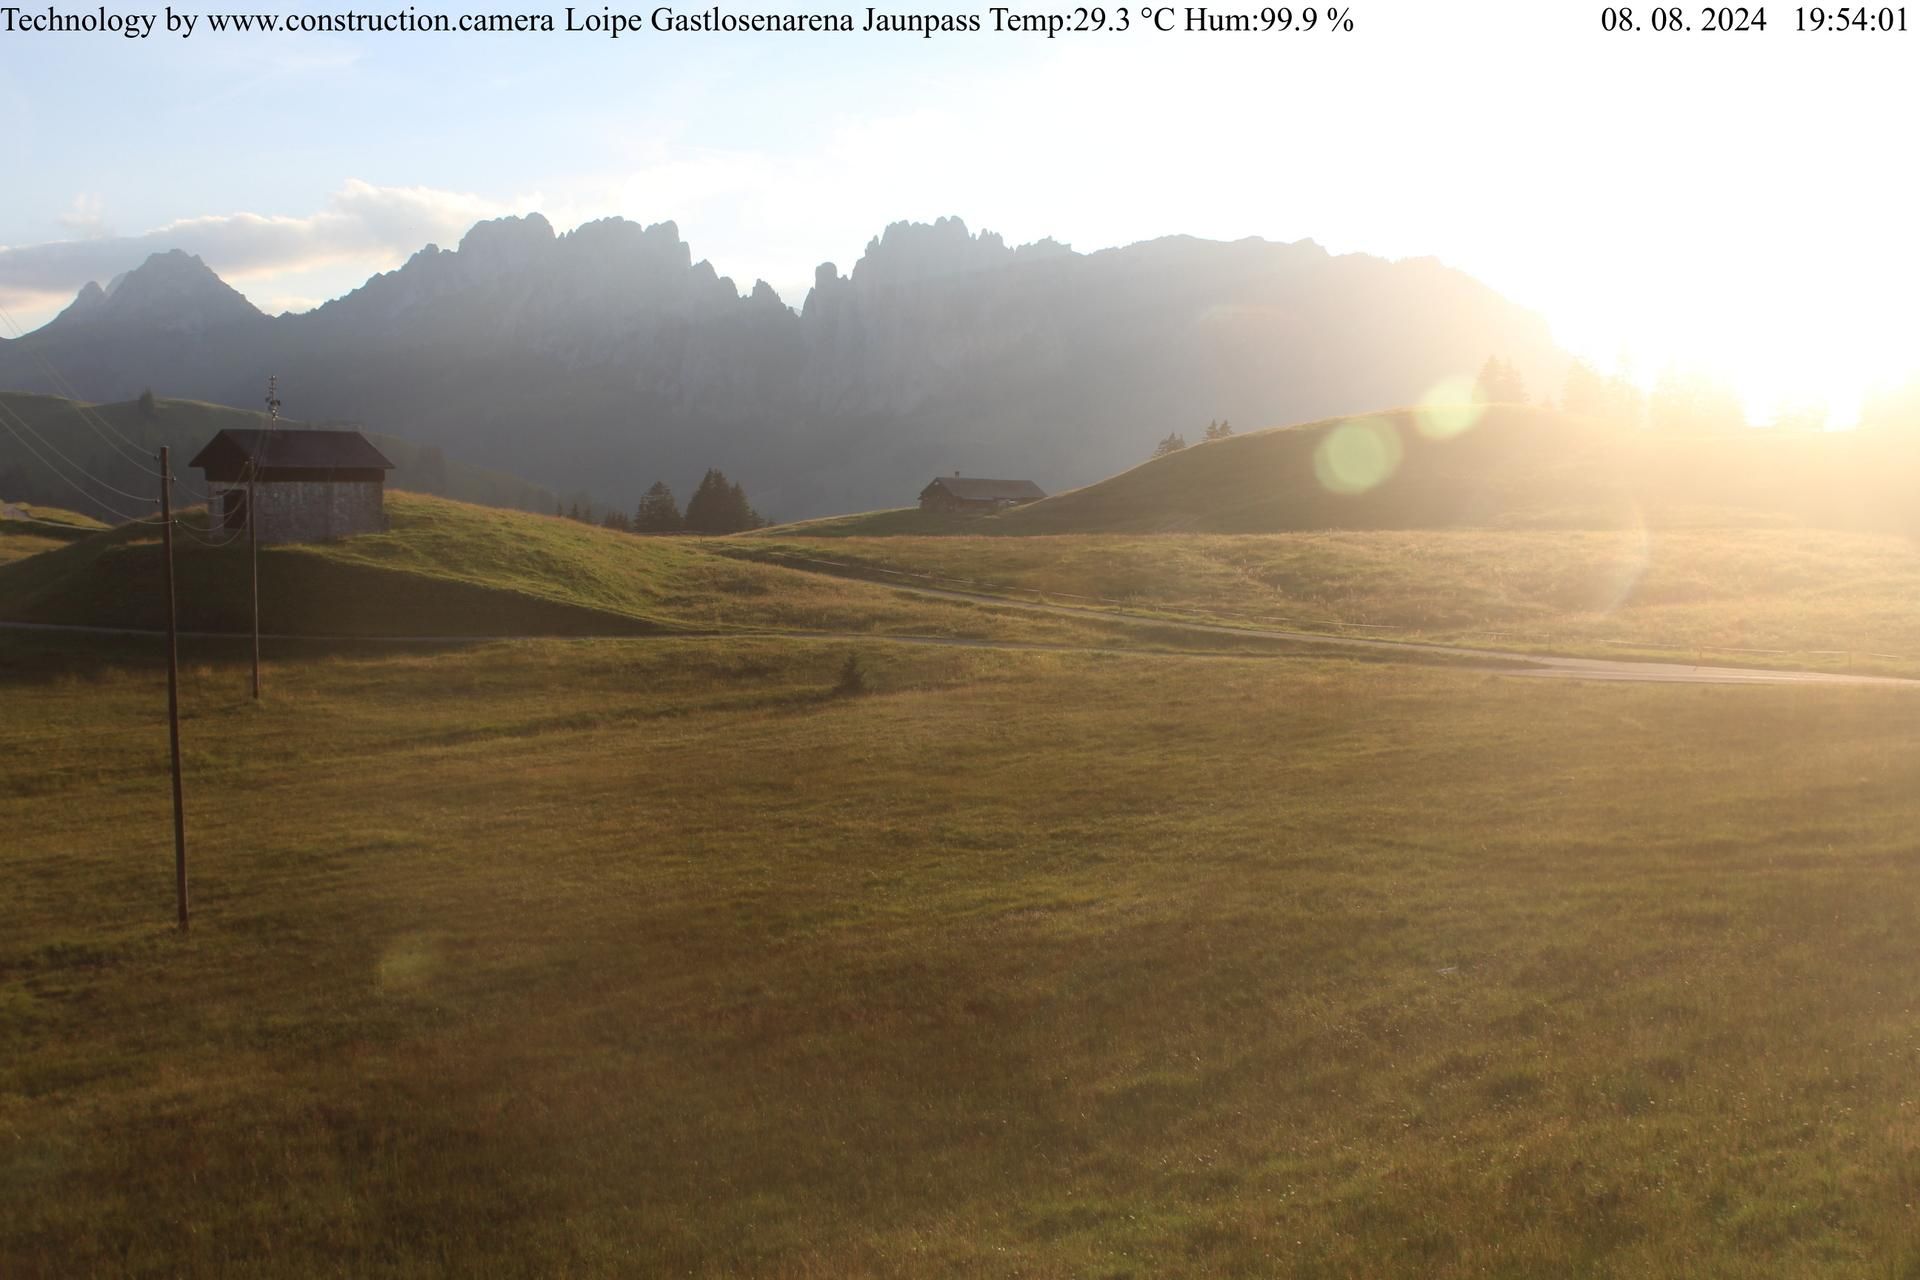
(1219, 430)
(1684, 403)
(1585, 393)
(1623, 403)
(1499, 383)
(719, 506)
(658, 512)
(148, 409)
(1174, 443)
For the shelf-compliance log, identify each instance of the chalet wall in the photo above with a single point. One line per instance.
(313, 510)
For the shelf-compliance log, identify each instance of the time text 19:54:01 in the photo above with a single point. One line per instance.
(1671, 18)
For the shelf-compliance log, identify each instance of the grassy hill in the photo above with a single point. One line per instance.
(456, 569)
(638, 959)
(106, 438)
(1514, 467)
(1529, 529)
(27, 529)
(1816, 595)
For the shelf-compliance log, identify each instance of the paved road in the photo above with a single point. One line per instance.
(1529, 666)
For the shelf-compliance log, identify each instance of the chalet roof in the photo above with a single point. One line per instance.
(292, 449)
(969, 489)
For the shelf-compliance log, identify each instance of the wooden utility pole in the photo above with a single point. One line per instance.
(253, 554)
(173, 692)
(253, 525)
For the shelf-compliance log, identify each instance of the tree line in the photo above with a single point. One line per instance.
(718, 505)
(1177, 440)
(1681, 402)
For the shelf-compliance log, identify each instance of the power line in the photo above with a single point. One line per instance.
(21, 420)
(117, 441)
(51, 524)
(69, 481)
(93, 418)
(24, 424)
(205, 541)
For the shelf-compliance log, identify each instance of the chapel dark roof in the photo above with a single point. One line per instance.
(292, 449)
(969, 489)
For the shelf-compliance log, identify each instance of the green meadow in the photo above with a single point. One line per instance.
(36, 529)
(1507, 526)
(578, 904)
(452, 569)
(656, 955)
(1818, 597)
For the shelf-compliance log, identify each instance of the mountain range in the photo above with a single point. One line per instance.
(605, 358)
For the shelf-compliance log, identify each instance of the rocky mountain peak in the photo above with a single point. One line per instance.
(911, 251)
(89, 302)
(509, 242)
(174, 290)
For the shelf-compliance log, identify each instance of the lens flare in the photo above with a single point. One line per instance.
(408, 964)
(1357, 455)
(1620, 570)
(1450, 409)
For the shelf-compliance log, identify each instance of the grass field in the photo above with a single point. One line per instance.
(653, 956)
(27, 530)
(1818, 594)
(452, 569)
(1523, 528)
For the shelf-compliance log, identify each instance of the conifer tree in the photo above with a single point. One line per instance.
(719, 506)
(658, 512)
(1499, 383)
(1585, 392)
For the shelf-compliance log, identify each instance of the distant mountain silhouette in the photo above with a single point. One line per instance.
(606, 358)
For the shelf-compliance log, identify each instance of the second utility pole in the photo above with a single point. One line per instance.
(253, 526)
(173, 692)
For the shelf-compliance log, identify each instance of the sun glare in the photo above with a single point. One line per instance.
(1798, 343)
(1449, 409)
(1357, 455)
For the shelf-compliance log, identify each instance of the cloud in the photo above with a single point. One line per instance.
(86, 217)
(278, 303)
(361, 222)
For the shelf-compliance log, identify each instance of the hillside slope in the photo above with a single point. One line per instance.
(27, 529)
(1816, 598)
(1517, 466)
(117, 442)
(453, 569)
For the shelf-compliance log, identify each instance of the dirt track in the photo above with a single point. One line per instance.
(1529, 666)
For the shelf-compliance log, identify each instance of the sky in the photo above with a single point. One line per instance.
(1734, 203)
